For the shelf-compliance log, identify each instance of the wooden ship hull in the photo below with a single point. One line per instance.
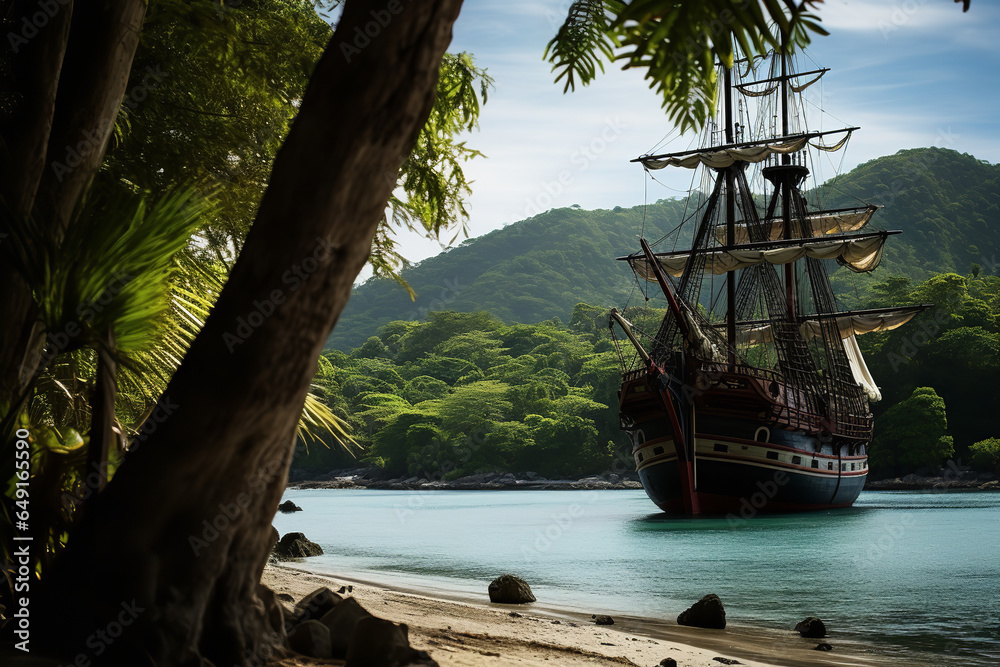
(744, 456)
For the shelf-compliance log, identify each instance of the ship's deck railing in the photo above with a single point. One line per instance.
(795, 417)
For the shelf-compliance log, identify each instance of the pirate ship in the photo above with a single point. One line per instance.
(753, 395)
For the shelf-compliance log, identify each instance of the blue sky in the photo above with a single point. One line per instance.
(911, 73)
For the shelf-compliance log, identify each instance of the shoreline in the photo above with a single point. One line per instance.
(358, 479)
(461, 630)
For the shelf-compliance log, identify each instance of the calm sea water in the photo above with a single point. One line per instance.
(909, 573)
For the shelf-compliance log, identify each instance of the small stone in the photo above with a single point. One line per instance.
(727, 661)
(811, 627)
(822, 647)
(668, 662)
(512, 614)
(285, 597)
(288, 507)
(556, 622)
(603, 620)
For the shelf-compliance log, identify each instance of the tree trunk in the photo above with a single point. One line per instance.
(70, 71)
(178, 540)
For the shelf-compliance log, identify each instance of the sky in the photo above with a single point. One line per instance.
(910, 73)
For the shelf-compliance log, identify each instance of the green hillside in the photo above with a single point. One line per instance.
(947, 204)
(530, 271)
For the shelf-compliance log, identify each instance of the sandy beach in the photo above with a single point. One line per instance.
(460, 633)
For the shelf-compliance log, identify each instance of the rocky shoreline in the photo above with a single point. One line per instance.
(960, 482)
(365, 478)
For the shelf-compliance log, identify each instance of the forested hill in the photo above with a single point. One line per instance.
(529, 271)
(946, 203)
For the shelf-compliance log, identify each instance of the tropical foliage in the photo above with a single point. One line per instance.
(677, 44)
(463, 393)
(953, 348)
(121, 296)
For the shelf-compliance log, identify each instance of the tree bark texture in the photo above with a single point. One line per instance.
(66, 71)
(181, 534)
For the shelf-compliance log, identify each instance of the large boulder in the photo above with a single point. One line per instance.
(275, 612)
(341, 621)
(707, 612)
(811, 627)
(508, 589)
(295, 545)
(310, 638)
(316, 605)
(377, 642)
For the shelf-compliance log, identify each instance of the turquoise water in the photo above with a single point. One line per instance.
(910, 573)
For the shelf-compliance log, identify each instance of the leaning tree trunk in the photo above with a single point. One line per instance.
(176, 543)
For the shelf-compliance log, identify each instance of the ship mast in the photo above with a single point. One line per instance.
(786, 160)
(730, 221)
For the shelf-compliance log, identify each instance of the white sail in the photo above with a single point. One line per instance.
(849, 325)
(859, 369)
(859, 254)
(822, 223)
(726, 157)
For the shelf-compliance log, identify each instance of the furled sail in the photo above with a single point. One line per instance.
(724, 158)
(859, 253)
(822, 223)
(848, 324)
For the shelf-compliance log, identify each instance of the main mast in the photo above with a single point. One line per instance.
(786, 161)
(730, 222)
